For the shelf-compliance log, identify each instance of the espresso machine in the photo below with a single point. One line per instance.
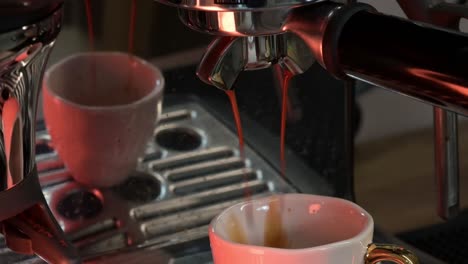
(392, 54)
(423, 57)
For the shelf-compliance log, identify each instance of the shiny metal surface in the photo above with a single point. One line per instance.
(27, 222)
(227, 57)
(236, 17)
(233, 23)
(446, 13)
(401, 46)
(377, 253)
(236, 5)
(446, 163)
(396, 54)
(23, 54)
(330, 30)
(195, 185)
(445, 122)
(320, 25)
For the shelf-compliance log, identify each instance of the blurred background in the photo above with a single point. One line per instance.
(394, 156)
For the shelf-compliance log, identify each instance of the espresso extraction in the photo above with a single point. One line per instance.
(261, 100)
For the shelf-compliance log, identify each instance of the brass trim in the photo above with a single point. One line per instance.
(383, 252)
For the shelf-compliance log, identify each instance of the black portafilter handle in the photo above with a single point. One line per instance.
(17, 13)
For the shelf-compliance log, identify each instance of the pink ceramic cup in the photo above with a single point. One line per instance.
(100, 109)
(315, 229)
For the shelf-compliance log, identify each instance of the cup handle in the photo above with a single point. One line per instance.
(384, 252)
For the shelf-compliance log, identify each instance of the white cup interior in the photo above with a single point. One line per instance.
(305, 220)
(102, 79)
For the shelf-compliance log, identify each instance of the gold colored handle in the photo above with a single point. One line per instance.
(382, 252)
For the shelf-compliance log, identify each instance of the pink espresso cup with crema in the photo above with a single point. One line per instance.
(317, 229)
(100, 109)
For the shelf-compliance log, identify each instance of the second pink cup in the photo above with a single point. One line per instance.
(100, 110)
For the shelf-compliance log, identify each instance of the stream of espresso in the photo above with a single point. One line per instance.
(131, 41)
(240, 135)
(274, 234)
(287, 75)
(131, 31)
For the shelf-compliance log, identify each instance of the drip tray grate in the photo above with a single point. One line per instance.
(166, 205)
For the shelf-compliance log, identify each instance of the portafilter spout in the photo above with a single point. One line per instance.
(28, 29)
(227, 57)
(395, 53)
(413, 58)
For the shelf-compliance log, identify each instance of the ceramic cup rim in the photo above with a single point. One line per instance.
(361, 236)
(156, 90)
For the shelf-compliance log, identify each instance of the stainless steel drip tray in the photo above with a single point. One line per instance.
(192, 171)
